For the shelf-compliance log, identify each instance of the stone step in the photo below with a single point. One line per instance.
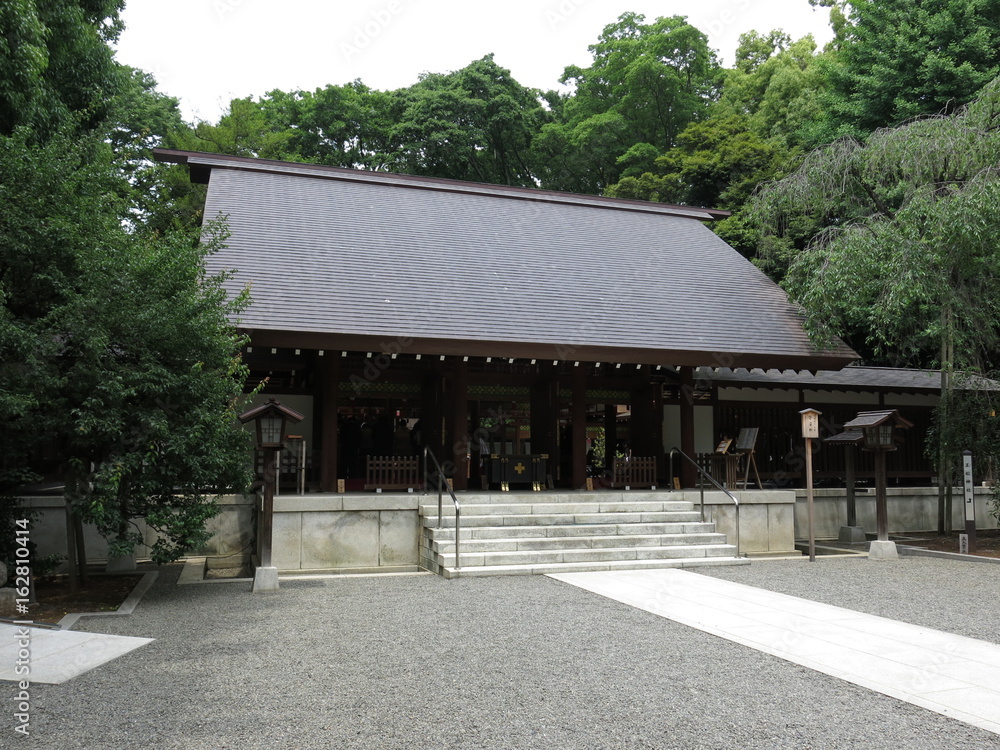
(548, 496)
(564, 519)
(617, 554)
(535, 532)
(580, 567)
(505, 509)
(618, 541)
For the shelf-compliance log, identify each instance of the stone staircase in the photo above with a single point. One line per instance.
(529, 533)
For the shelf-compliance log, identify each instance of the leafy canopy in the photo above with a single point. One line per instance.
(900, 253)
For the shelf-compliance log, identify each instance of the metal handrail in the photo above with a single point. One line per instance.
(442, 481)
(701, 487)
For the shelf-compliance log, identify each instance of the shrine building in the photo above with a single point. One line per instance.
(484, 318)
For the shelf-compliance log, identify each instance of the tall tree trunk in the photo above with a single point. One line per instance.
(76, 550)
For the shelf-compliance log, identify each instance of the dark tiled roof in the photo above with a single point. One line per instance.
(850, 378)
(339, 258)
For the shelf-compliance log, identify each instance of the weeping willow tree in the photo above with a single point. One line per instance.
(891, 243)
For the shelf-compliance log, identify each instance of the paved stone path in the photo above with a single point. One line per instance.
(55, 656)
(952, 675)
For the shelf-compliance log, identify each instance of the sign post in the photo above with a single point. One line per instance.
(810, 431)
(970, 501)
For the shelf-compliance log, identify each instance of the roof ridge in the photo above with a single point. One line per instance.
(305, 169)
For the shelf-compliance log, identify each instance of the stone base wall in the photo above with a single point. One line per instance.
(910, 510)
(765, 519)
(341, 532)
(232, 530)
(382, 531)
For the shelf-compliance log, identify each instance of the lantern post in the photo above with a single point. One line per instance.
(878, 429)
(270, 420)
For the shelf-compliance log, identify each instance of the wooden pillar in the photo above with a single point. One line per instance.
(578, 417)
(329, 390)
(458, 427)
(638, 421)
(852, 513)
(656, 431)
(881, 506)
(432, 418)
(478, 461)
(646, 424)
(688, 473)
(266, 528)
(545, 418)
(610, 439)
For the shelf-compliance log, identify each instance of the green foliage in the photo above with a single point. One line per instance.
(475, 124)
(56, 68)
(116, 348)
(972, 424)
(777, 84)
(717, 163)
(646, 83)
(903, 58)
(347, 126)
(902, 251)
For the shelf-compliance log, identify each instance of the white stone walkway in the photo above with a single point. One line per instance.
(54, 656)
(952, 675)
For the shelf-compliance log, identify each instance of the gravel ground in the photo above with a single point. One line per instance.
(520, 662)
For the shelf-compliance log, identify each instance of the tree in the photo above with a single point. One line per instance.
(899, 59)
(778, 84)
(56, 68)
(476, 124)
(347, 126)
(120, 368)
(717, 163)
(902, 260)
(646, 83)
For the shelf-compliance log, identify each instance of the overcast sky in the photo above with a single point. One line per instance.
(206, 52)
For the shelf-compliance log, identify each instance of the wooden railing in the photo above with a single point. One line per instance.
(393, 473)
(634, 471)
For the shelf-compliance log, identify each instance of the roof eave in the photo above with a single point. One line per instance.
(545, 351)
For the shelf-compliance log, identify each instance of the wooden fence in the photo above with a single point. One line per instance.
(634, 471)
(393, 473)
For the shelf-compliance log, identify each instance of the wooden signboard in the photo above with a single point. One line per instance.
(746, 442)
(747, 439)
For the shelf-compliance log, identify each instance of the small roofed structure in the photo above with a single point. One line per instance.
(878, 428)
